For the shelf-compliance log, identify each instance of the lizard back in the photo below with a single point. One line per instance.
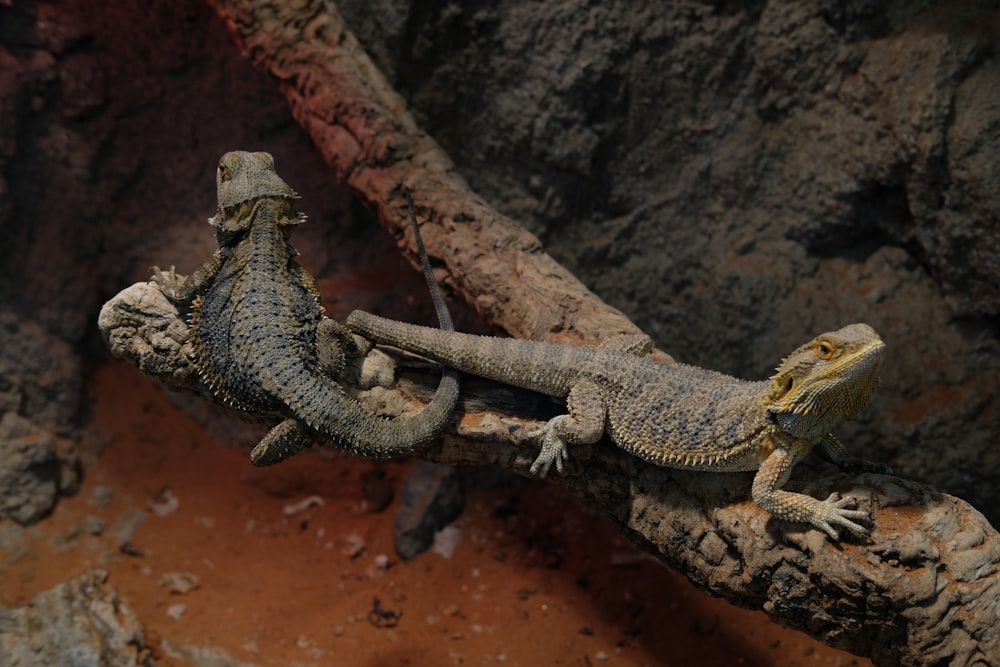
(261, 340)
(249, 319)
(684, 416)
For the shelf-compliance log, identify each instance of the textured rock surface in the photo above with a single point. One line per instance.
(80, 622)
(29, 470)
(41, 383)
(41, 377)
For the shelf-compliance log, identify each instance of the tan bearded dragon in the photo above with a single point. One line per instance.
(677, 415)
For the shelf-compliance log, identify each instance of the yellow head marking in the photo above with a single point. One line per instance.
(825, 381)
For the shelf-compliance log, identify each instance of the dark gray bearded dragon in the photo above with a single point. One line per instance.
(677, 415)
(263, 345)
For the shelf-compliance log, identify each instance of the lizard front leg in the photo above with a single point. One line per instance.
(583, 425)
(185, 291)
(798, 507)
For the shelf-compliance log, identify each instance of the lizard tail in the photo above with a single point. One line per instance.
(381, 437)
(324, 406)
(549, 368)
(440, 307)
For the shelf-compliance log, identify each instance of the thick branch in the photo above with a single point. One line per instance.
(923, 590)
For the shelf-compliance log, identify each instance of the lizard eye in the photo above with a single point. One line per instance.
(223, 172)
(825, 350)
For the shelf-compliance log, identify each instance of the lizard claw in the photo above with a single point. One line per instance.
(834, 511)
(167, 284)
(553, 451)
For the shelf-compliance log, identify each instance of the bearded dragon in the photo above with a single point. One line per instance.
(678, 415)
(263, 345)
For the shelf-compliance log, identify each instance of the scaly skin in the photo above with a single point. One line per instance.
(263, 344)
(677, 415)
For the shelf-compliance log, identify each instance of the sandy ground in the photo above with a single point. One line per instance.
(535, 578)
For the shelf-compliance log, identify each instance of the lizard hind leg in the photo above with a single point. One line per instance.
(583, 425)
(287, 438)
(334, 345)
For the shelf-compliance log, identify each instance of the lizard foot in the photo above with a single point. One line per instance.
(168, 284)
(834, 511)
(553, 451)
(287, 438)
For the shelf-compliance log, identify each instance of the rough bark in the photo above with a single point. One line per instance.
(923, 590)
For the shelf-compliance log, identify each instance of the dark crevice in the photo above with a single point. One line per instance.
(875, 215)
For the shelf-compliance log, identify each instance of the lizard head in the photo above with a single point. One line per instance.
(243, 180)
(826, 381)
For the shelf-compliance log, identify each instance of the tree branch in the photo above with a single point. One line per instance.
(923, 590)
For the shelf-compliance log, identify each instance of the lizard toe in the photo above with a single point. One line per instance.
(553, 452)
(837, 511)
(540, 468)
(167, 283)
